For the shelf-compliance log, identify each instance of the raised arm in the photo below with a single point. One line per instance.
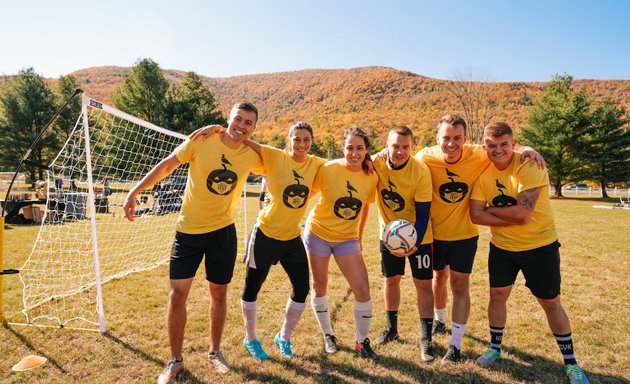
(206, 132)
(520, 213)
(533, 156)
(254, 145)
(157, 174)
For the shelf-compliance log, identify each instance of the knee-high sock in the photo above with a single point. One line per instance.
(320, 308)
(362, 319)
(249, 318)
(292, 313)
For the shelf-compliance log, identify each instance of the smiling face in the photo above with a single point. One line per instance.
(500, 150)
(241, 124)
(451, 139)
(399, 148)
(300, 141)
(354, 152)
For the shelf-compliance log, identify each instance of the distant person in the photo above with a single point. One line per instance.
(513, 199)
(218, 171)
(106, 188)
(263, 193)
(41, 190)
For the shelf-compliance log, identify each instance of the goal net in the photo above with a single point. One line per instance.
(84, 240)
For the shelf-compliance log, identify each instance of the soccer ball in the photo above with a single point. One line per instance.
(400, 236)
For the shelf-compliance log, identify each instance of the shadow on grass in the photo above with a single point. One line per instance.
(24, 340)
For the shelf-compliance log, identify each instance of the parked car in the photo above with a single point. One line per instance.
(578, 187)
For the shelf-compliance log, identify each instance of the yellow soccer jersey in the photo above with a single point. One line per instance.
(399, 189)
(337, 215)
(500, 189)
(290, 184)
(451, 190)
(216, 179)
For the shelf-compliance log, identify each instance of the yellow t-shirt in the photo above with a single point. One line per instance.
(215, 181)
(452, 183)
(337, 215)
(399, 189)
(500, 188)
(290, 184)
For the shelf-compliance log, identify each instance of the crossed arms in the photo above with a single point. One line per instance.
(518, 214)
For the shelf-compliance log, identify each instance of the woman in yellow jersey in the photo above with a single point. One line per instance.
(335, 226)
(276, 235)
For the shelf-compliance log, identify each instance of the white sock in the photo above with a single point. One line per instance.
(362, 319)
(457, 334)
(249, 318)
(440, 314)
(292, 313)
(320, 308)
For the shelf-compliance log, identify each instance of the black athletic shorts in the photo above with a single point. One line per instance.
(421, 263)
(459, 255)
(219, 248)
(263, 251)
(540, 266)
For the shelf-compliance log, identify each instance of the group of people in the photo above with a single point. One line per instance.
(444, 190)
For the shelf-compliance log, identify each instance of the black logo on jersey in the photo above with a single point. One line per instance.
(295, 195)
(502, 200)
(222, 181)
(348, 208)
(391, 199)
(454, 191)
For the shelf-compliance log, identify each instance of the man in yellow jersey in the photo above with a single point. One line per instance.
(219, 167)
(404, 192)
(513, 199)
(455, 166)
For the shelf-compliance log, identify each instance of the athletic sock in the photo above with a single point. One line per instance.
(496, 337)
(320, 308)
(440, 314)
(426, 325)
(457, 334)
(249, 318)
(565, 343)
(362, 319)
(292, 313)
(392, 320)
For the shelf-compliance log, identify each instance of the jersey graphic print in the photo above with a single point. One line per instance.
(391, 199)
(295, 195)
(348, 208)
(453, 191)
(502, 200)
(222, 181)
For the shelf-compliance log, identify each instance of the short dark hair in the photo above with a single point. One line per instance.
(498, 129)
(247, 107)
(402, 130)
(453, 120)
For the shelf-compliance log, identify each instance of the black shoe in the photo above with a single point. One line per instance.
(438, 327)
(387, 336)
(426, 351)
(330, 344)
(365, 350)
(453, 355)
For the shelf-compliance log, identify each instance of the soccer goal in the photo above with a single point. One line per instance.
(84, 240)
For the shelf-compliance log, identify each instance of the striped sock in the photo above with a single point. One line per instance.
(496, 337)
(565, 343)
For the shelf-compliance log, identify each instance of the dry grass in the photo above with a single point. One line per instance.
(595, 257)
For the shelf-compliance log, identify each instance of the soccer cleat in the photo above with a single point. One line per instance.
(575, 374)
(330, 344)
(387, 336)
(255, 349)
(218, 361)
(284, 346)
(452, 356)
(173, 367)
(365, 350)
(488, 357)
(438, 328)
(426, 351)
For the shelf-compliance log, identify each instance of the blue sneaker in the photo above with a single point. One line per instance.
(488, 357)
(284, 346)
(255, 349)
(575, 374)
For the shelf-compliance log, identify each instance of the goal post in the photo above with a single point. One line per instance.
(84, 240)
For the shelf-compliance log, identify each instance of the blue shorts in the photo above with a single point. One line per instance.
(318, 247)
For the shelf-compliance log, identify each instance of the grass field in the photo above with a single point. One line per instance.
(595, 259)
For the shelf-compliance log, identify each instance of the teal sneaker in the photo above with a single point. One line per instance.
(488, 357)
(255, 349)
(575, 374)
(284, 346)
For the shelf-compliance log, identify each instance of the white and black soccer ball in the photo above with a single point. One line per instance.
(399, 236)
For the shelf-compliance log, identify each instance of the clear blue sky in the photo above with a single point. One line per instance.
(506, 40)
